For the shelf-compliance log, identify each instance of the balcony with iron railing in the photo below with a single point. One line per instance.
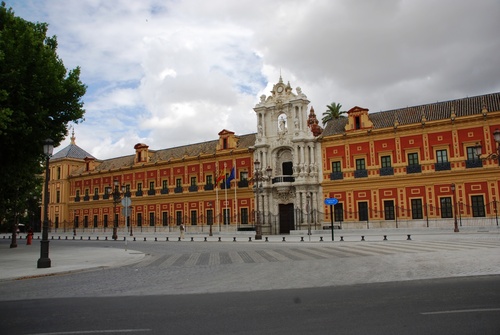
(473, 163)
(414, 168)
(443, 166)
(336, 175)
(283, 184)
(387, 171)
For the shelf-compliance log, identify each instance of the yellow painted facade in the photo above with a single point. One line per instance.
(388, 169)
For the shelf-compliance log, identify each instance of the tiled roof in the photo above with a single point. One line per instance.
(432, 112)
(71, 151)
(163, 155)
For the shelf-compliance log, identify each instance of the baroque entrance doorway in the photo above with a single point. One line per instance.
(287, 221)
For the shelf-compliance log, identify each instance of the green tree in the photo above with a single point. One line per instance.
(333, 112)
(38, 98)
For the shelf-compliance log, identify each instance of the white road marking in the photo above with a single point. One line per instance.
(95, 331)
(463, 311)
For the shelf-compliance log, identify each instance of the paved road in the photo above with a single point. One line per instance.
(210, 267)
(351, 287)
(465, 305)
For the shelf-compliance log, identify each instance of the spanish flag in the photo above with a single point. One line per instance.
(221, 176)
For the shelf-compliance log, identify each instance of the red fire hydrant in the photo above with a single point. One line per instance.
(29, 238)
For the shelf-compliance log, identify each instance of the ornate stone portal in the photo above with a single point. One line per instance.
(287, 143)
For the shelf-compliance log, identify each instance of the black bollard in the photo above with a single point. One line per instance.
(362, 238)
(302, 239)
(179, 239)
(321, 238)
(284, 239)
(219, 239)
(205, 239)
(89, 238)
(234, 239)
(342, 238)
(66, 238)
(267, 240)
(166, 239)
(134, 238)
(97, 239)
(192, 239)
(144, 239)
(385, 237)
(58, 238)
(250, 239)
(409, 237)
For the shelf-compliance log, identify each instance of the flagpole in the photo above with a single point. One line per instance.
(217, 205)
(217, 197)
(225, 192)
(235, 197)
(220, 176)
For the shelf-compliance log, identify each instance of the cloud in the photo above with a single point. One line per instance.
(171, 73)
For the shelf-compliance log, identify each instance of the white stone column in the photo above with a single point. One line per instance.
(301, 165)
(296, 161)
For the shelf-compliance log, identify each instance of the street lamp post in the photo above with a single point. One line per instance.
(308, 199)
(44, 260)
(258, 227)
(211, 220)
(258, 179)
(74, 223)
(455, 207)
(13, 242)
(126, 202)
(116, 200)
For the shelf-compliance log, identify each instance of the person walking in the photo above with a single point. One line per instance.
(29, 238)
(182, 231)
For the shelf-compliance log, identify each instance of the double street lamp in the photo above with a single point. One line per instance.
(116, 200)
(44, 260)
(258, 177)
(454, 207)
(211, 220)
(494, 155)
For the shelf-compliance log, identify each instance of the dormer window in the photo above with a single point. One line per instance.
(358, 119)
(141, 153)
(227, 140)
(357, 122)
(89, 163)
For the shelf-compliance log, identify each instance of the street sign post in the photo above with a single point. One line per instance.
(126, 203)
(332, 202)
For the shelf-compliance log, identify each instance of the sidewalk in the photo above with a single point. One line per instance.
(21, 262)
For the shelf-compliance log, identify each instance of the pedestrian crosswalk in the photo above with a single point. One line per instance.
(299, 253)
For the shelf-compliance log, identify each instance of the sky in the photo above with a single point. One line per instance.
(174, 72)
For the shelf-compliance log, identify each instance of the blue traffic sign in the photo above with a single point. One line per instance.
(331, 201)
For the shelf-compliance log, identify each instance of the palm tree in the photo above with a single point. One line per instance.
(333, 112)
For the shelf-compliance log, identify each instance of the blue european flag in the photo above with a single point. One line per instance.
(231, 177)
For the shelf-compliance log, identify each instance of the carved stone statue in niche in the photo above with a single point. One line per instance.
(282, 124)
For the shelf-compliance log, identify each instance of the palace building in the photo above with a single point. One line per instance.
(434, 165)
